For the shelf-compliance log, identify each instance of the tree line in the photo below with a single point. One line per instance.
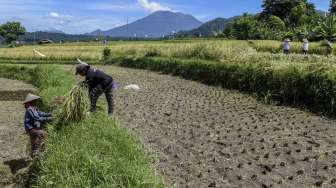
(295, 19)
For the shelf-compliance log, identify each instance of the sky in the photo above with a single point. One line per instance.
(82, 16)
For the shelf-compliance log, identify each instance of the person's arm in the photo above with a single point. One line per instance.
(35, 115)
(44, 114)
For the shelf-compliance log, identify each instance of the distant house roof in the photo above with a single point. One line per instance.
(46, 41)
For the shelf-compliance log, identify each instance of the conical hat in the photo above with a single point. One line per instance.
(30, 97)
(82, 62)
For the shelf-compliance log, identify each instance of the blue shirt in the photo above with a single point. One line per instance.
(34, 118)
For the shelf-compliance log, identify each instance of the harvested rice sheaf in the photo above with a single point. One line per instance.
(75, 106)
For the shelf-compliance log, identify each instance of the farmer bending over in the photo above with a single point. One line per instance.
(33, 122)
(98, 83)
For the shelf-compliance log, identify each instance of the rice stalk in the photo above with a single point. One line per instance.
(75, 106)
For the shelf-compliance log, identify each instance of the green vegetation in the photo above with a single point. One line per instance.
(11, 31)
(97, 152)
(283, 19)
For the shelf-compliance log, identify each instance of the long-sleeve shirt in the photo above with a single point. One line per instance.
(95, 77)
(305, 46)
(34, 119)
(286, 46)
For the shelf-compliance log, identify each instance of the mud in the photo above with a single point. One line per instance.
(14, 157)
(211, 137)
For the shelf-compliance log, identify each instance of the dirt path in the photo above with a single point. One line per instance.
(211, 137)
(13, 140)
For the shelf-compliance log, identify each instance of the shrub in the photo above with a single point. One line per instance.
(152, 52)
(106, 53)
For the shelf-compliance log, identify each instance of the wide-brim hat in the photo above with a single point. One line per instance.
(30, 97)
(287, 40)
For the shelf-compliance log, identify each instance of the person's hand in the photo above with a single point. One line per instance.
(50, 118)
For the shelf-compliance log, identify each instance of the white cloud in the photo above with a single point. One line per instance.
(54, 15)
(60, 19)
(152, 6)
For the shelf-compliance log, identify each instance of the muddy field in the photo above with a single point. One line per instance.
(13, 140)
(211, 137)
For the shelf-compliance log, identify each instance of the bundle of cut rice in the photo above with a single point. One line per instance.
(75, 106)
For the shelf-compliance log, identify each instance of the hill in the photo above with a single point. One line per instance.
(208, 28)
(31, 37)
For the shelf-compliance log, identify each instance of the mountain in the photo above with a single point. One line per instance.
(53, 31)
(208, 28)
(154, 26)
(31, 37)
(97, 32)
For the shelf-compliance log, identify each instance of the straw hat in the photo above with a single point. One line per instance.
(287, 40)
(30, 97)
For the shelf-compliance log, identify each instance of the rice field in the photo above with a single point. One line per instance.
(215, 118)
(213, 50)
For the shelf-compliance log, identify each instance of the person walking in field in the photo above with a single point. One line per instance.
(33, 123)
(98, 83)
(305, 46)
(286, 46)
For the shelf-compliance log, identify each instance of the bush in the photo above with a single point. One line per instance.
(152, 52)
(106, 53)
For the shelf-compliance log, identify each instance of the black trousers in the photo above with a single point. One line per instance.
(97, 91)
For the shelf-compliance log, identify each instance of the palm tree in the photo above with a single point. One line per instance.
(327, 28)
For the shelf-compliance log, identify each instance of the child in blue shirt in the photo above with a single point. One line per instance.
(33, 123)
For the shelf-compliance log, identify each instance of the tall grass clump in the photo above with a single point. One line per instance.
(107, 53)
(197, 51)
(96, 153)
(152, 52)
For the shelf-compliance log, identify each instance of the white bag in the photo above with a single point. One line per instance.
(132, 87)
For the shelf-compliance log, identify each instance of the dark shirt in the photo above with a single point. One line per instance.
(34, 119)
(95, 77)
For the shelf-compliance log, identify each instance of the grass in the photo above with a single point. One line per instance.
(97, 152)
